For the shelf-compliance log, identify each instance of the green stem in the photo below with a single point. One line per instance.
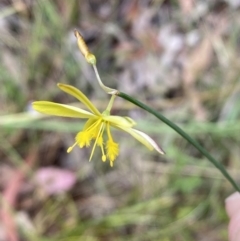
(184, 135)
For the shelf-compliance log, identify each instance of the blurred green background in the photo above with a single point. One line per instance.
(180, 57)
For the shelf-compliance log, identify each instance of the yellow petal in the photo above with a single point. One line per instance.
(120, 121)
(51, 108)
(143, 138)
(80, 96)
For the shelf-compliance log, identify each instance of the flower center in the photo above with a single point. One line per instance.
(93, 130)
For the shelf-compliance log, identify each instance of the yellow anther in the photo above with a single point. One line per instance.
(71, 147)
(104, 158)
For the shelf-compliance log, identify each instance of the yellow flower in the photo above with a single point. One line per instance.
(96, 125)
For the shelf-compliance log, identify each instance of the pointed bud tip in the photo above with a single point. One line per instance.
(76, 33)
(159, 150)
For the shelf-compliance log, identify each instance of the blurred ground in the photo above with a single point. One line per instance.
(180, 57)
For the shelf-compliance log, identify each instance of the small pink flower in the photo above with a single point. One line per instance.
(232, 204)
(54, 180)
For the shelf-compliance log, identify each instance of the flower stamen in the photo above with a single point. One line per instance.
(100, 132)
(71, 147)
(100, 143)
(112, 147)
